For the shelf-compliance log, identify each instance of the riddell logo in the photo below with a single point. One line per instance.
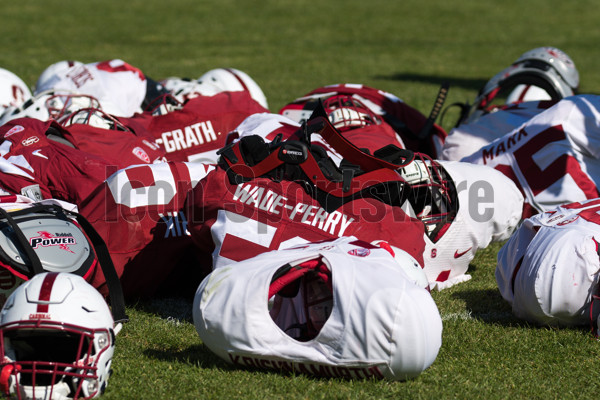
(292, 152)
(47, 239)
(30, 140)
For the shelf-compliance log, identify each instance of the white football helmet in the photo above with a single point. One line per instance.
(234, 80)
(13, 91)
(57, 339)
(185, 89)
(53, 74)
(548, 69)
(50, 105)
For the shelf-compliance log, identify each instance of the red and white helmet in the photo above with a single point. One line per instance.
(50, 105)
(430, 195)
(57, 338)
(544, 73)
(54, 73)
(234, 80)
(13, 91)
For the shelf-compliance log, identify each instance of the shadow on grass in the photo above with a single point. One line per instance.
(198, 355)
(167, 308)
(465, 83)
(487, 305)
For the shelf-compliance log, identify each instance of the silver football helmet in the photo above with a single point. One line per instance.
(57, 339)
(544, 73)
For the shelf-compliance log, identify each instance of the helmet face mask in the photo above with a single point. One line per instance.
(57, 344)
(431, 194)
(51, 105)
(346, 112)
(93, 117)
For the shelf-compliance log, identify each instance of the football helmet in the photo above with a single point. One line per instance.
(547, 69)
(184, 89)
(50, 105)
(57, 339)
(93, 117)
(346, 112)
(13, 91)
(431, 195)
(52, 74)
(234, 80)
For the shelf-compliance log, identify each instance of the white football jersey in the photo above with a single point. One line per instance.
(489, 209)
(554, 157)
(375, 323)
(548, 270)
(467, 138)
(119, 87)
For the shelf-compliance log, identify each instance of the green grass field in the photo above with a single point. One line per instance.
(290, 47)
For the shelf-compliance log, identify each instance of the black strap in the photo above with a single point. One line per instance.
(36, 264)
(115, 290)
(117, 299)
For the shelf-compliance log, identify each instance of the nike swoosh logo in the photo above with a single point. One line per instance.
(458, 255)
(37, 153)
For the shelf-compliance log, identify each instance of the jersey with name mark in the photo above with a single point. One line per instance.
(548, 270)
(489, 209)
(554, 157)
(119, 87)
(138, 211)
(341, 308)
(467, 138)
(196, 131)
(234, 222)
(33, 165)
(401, 121)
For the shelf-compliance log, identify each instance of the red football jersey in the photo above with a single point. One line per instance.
(196, 131)
(237, 222)
(40, 168)
(120, 148)
(138, 212)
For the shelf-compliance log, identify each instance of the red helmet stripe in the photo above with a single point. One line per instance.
(232, 72)
(45, 291)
